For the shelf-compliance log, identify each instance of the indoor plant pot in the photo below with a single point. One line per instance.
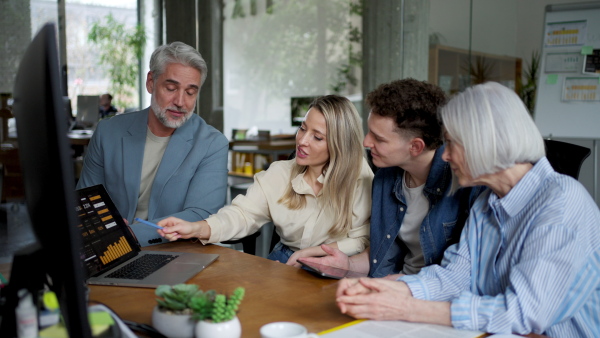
(181, 305)
(172, 324)
(172, 315)
(216, 314)
(228, 329)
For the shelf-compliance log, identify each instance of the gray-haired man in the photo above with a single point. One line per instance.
(163, 160)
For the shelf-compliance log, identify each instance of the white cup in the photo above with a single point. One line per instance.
(285, 330)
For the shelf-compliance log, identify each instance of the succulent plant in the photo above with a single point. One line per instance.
(189, 299)
(176, 298)
(214, 307)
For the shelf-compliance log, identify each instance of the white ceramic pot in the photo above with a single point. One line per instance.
(173, 325)
(229, 329)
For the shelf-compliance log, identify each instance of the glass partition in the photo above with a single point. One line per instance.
(87, 75)
(473, 42)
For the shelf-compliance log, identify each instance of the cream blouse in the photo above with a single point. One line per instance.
(298, 229)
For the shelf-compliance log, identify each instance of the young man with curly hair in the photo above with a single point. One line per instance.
(413, 217)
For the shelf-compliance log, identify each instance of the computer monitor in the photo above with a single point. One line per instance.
(55, 259)
(88, 110)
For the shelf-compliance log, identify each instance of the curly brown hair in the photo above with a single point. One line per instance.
(413, 105)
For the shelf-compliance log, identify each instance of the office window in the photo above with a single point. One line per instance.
(276, 50)
(85, 75)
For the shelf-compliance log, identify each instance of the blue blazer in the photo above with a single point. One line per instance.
(191, 181)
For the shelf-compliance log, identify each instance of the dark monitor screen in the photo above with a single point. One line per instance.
(49, 181)
(299, 107)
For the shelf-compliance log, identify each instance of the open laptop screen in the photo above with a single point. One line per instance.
(107, 240)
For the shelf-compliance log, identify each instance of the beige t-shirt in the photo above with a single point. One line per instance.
(153, 153)
(417, 207)
(298, 229)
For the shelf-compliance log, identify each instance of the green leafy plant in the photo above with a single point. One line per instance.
(120, 49)
(210, 306)
(529, 87)
(177, 298)
(480, 70)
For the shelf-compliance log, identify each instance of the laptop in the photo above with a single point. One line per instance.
(112, 255)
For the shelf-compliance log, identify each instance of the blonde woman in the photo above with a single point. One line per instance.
(323, 196)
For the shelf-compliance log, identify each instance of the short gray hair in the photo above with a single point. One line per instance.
(492, 124)
(177, 52)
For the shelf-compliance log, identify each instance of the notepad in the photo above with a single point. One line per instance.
(376, 328)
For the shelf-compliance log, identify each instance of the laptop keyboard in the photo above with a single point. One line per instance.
(142, 267)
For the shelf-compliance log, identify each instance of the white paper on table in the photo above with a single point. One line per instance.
(400, 329)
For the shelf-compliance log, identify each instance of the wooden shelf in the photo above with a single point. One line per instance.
(449, 69)
(250, 157)
(236, 174)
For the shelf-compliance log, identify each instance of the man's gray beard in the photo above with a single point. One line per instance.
(161, 114)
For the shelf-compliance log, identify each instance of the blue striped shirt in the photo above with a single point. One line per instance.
(529, 262)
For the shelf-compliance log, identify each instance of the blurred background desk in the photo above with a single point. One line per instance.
(80, 137)
(274, 291)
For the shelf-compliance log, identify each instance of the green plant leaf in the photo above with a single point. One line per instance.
(120, 50)
(216, 307)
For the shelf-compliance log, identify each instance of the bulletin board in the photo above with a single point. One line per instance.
(568, 96)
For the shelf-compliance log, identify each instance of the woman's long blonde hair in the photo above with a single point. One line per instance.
(346, 153)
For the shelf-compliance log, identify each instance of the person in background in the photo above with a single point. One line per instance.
(413, 217)
(322, 196)
(163, 160)
(106, 107)
(528, 260)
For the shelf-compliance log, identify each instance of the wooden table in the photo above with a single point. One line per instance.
(274, 291)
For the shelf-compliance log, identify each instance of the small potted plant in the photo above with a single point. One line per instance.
(172, 315)
(216, 314)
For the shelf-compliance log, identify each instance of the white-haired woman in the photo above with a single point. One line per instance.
(528, 260)
(323, 196)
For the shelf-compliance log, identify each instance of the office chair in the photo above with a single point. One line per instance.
(566, 158)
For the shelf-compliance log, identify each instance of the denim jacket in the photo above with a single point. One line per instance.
(441, 226)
